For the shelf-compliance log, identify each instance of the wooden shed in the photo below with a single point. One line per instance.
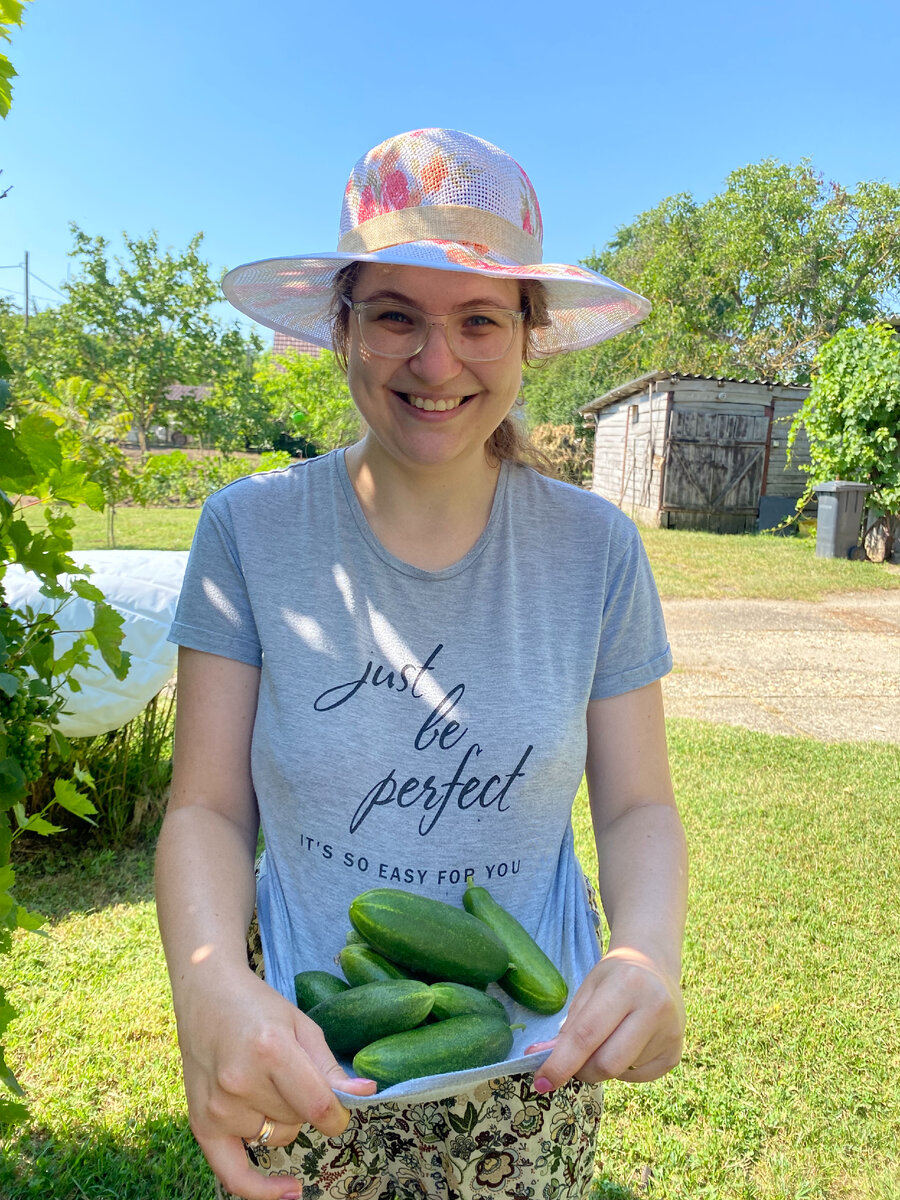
(694, 452)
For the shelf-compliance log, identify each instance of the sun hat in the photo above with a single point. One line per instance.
(442, 199)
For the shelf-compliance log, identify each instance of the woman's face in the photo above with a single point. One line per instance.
(390, 393)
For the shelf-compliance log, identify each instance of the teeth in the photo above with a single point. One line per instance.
(429, 405)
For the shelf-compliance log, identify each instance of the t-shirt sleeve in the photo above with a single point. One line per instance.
(214, 612)
(634, 649)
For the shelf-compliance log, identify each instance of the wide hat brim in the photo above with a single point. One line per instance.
(294, 295)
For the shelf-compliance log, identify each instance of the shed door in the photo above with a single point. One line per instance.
(714, 462)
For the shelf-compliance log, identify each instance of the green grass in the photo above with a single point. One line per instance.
(136, 528)
(686, 563)
(789, 1085)
(690, 564)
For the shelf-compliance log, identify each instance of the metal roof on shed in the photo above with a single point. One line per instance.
(638, 385)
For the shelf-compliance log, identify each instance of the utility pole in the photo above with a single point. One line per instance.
(26, 289)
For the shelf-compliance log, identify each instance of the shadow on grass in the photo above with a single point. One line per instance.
(159, 1159)
(57, 880)
(605, 1188)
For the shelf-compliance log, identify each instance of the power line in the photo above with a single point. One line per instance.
(32, 296)
(49, 285)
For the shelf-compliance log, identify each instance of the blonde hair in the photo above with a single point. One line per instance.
(510, 439)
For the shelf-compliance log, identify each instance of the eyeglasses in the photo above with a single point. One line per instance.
(401, 331)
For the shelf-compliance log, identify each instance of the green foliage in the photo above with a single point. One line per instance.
(34, 468)
(752, 282)
(145, 324)
(176, 479)
(88, 433)
(130, 769)
(852, 413)
(312, 394)
(11, 13)
(555, 388)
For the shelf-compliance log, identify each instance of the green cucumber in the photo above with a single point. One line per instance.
(363, 1014)
(458, 999)
(312, 987)
(429, 937)
(355, 939)
(532, 979)
(361, 964)
(457, 1044)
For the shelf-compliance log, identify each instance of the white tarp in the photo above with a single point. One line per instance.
(142, 585)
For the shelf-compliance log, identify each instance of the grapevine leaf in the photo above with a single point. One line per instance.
(36, 438)
(67, 795)
(12, 782)
(8, 1077)
(40, 825)
(32, 921)
(87, 590)
(106, 633)
(12, 1113)
(8, 683)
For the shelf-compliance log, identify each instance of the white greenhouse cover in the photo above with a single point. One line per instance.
(142, 585)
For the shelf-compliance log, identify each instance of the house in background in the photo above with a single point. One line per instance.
(697, 452)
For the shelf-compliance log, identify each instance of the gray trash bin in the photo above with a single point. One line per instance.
(839, 522)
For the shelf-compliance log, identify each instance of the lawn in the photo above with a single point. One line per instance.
(686, 563)
(789, 1085)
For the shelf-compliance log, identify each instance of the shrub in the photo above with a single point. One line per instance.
(568, 452)
(175, 479)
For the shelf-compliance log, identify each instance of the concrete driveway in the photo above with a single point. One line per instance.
(828, 670)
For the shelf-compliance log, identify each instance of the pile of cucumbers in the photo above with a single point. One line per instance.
(413, 1001)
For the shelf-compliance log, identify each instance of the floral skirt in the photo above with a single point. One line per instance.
(500, 1140)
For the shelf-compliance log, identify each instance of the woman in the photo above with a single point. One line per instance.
(401, 659)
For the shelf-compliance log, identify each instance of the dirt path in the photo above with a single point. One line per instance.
(829, 670)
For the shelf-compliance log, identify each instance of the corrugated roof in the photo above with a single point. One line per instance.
(643, 381)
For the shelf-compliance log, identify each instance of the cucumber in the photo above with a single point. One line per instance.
(355, 939)
(361, 964)
(312, 987)
(429, 937)
(363, 1014)
(457, 1044)
(458, 999)
(532, 979)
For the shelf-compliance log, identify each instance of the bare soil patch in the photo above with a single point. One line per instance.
(829, 670)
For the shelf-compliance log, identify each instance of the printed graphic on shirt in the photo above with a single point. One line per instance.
(446, 744)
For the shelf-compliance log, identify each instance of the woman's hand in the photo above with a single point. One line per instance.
(626, 1021)
(249, 1054)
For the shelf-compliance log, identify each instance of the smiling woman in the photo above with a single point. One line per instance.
(401, 659)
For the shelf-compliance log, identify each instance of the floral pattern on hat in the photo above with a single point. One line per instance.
(440, 166)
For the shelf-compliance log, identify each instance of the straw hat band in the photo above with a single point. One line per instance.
(444, 223)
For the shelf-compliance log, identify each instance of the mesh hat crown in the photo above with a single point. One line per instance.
(449, 201)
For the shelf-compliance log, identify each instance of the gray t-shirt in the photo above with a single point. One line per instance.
(416, 728)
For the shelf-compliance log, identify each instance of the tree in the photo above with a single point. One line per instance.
(754, 281)
(311, 394)
(149, 324)
(11, 13)
(852, 413)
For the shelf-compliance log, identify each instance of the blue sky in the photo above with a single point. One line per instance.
(131, 115)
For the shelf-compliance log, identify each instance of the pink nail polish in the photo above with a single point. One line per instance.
(542, 1086)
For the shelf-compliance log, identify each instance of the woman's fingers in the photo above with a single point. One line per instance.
(228, 1159)
(626, 1022)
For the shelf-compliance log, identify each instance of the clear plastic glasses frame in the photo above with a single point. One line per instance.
(421, 325)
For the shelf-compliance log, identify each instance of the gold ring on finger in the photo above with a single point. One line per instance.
(262, 1138)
